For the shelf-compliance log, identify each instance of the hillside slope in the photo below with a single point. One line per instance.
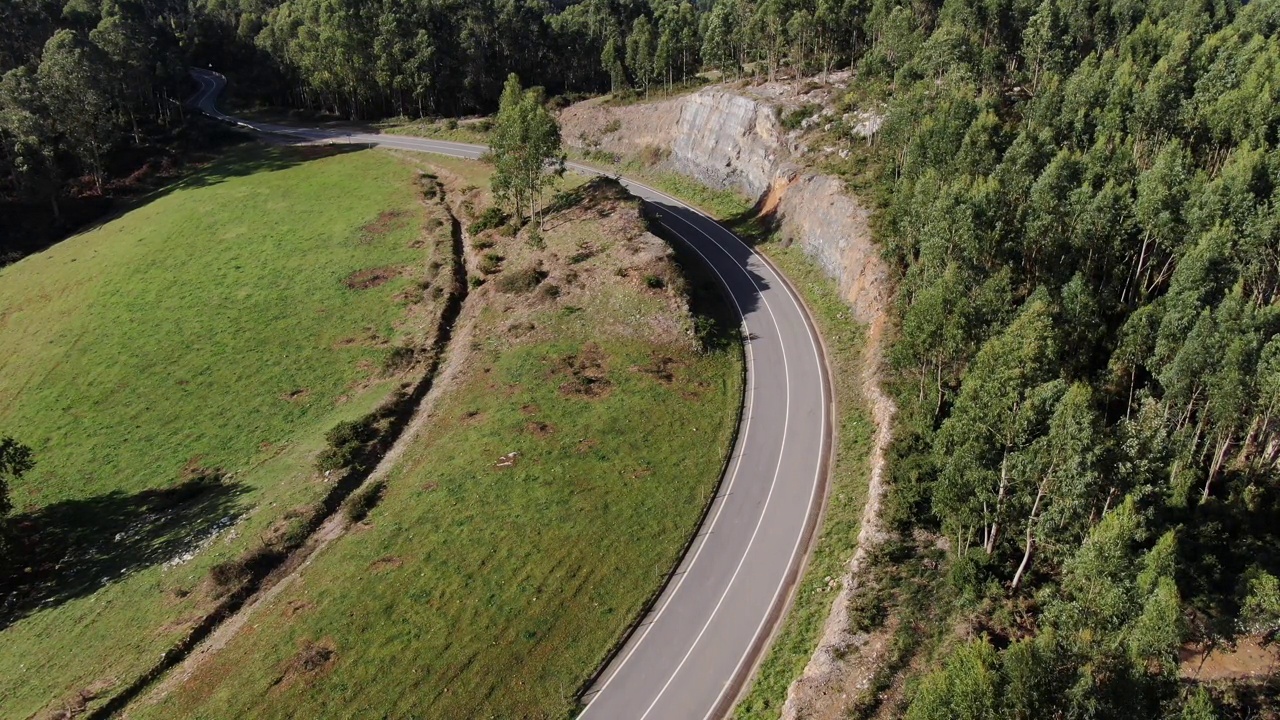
(579, 428)
(175, 371)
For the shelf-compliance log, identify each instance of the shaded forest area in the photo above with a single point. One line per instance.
(90, 100)
(1080, 201)
(90, 103)
(90, 112)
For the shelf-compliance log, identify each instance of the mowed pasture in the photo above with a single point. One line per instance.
(175, 370)
(580, 429)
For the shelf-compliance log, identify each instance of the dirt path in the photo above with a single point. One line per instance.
(845, 663)
(336, 525)
(332, 529)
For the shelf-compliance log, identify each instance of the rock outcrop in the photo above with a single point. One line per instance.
(731, 140)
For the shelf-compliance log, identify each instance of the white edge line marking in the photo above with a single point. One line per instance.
(459, 147)
(786, 424)
(728, 489)
(818, 471)
(813, 493)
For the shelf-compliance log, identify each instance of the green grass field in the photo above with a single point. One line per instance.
(209, 331)
(487, 584)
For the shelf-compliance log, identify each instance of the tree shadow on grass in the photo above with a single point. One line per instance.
(284, 154)
(26, 229)
(76, 547)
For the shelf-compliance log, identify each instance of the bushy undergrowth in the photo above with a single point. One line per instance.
(490, 218)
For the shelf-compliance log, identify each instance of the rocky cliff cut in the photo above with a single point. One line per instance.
(730, 140)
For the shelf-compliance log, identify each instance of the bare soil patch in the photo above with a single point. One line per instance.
(385, 564)
(371, 277)
(75, 704)
(386, 222)
(294, 607)
(312, 660)
(1248, 658)
(540, 429)
(662, 369)
(583, 373)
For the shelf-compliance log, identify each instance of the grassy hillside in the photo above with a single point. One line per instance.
(175, 371)
(579, 432)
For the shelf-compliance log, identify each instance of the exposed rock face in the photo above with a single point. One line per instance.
(729, 140)
(834, 229)
(628, 129)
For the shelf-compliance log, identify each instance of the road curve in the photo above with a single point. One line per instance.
(700, 641)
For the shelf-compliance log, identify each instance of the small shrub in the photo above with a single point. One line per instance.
(483, 126)
(363, 500)
(603, 157)
(521, 281)
(231, 575)
(475, 281)
(550, 291)
(492, 217)
(654, 282)
(795, 119)
(490, 263)
(348, 443)
(482, 243)
(613, 126)
(651, 155)
(398, 359)
(535, 240)
(451, 124)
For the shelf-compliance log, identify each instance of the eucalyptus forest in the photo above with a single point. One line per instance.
(1080, 202)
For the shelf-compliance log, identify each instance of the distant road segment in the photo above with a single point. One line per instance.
(699, 643)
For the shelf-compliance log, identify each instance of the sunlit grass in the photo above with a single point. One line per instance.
(207, 330)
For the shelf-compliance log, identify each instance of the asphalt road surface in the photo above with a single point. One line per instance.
(699, 643)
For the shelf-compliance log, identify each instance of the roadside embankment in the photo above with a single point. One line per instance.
(732, 139)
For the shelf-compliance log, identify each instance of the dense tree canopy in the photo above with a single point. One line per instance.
(82, 82)
(1082, 204)
(78, 83)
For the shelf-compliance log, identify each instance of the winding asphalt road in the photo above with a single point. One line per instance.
(699, 643)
